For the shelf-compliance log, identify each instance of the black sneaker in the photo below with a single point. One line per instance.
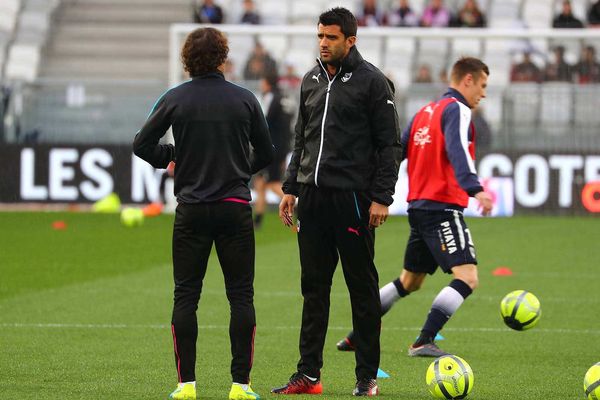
(426, 350)
(345, 345)
(366, 387)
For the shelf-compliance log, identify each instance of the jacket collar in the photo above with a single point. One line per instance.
(456, 94)
(349, 63)
(210, 75)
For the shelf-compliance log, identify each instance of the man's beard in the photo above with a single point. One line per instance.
(333, 63)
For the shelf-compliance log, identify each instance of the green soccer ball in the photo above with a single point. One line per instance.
(131, 217)
(520, 310)
(449, 377)
(591, 383)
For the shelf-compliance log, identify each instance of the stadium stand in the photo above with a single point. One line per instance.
(89, 60)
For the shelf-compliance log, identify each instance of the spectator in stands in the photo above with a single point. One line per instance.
(566, 19)
(208, 13)
(424, 74)
(443, 76)
(470, 15)
(559, 70)
(229, 71)
(259, 64)
(436, 15)
(526, 71)
(250, 15)
(594, 15)
(403, 16)
(588, 68)
(371, 14)
(290, 80)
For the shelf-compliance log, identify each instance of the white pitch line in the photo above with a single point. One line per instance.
(290, 327)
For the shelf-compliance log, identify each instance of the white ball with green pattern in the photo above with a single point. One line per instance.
(591, 383)
(449, 377)
(520, 310)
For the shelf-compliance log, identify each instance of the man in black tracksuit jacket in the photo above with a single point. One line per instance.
(214, 123)
(343, 169)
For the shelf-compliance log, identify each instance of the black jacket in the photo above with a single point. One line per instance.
(214, 123)
(347, 133)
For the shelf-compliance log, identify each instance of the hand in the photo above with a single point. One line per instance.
(378, 213)
(286, 209)
(485, 203)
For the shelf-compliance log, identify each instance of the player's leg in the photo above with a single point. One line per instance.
(389, 294)
(418, 261)
(192, 242)
(234, 242)
(318, 260)
(356, 244)
(450, 242)
(260, 203)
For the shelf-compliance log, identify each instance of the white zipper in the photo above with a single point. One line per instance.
(330, 82)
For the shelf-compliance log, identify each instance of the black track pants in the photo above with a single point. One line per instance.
(229, 226)
(334, 224)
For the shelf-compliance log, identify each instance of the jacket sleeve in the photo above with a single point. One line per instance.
(456, 121)
(145, 143)
(386, 136)
(260, 139)
(290, 183)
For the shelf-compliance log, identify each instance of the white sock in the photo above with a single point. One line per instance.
(388, 295)
(245, 386)
(180, 384)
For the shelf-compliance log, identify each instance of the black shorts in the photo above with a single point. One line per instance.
(274, 171)
(438, 238)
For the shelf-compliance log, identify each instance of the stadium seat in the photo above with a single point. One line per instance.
(585, 107)
(23, 62)
(492, 107)
(276, 45)
(433, 52)
(465, 47)
(274, 12)
(9, 10)
(401, 76)
(556, 104)
(420, 94)
(352, 5)
(522, 107)
(371, 48)
(504, 13)
(538, 13)
(305, 12)
(33, 27)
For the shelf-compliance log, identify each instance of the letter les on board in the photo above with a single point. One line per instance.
(29, 191)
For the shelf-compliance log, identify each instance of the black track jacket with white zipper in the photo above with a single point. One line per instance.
(347, 134)
(214, 123)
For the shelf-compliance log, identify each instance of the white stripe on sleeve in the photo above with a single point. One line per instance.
(465, 123)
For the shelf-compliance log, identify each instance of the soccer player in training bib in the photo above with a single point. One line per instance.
(439, 144)
(221, 139)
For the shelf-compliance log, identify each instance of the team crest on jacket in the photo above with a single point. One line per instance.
(346, 77)
(422, 136)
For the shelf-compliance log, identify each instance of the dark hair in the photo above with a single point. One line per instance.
(341, 17)
(204, 50)
(468, 65)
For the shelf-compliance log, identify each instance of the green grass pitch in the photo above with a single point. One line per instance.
(85, 311)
